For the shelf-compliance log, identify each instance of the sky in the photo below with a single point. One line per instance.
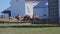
(4, 4)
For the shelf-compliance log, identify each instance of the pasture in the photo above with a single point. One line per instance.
(43, 30)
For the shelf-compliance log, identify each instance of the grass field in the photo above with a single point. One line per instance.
(29, 30)
(29, 24)
(44, 30)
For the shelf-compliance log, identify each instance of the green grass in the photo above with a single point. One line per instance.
(40, 30)
(50, 30)
(28, 24)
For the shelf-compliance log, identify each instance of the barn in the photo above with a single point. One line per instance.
(17, 7)
(41, 9)
(29, 7)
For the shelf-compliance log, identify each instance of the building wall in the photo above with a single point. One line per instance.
(41, 12)
(17, 7)
(59, 10)
(29, 7)
(53, 11)
(26, 8)
(41, 9)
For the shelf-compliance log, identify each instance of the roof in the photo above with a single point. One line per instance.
(32, 0)
(36, 0)
(42, 4)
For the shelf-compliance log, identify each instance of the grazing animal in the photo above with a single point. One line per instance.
(18, 17)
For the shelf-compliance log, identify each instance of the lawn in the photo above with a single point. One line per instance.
(43, 30)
